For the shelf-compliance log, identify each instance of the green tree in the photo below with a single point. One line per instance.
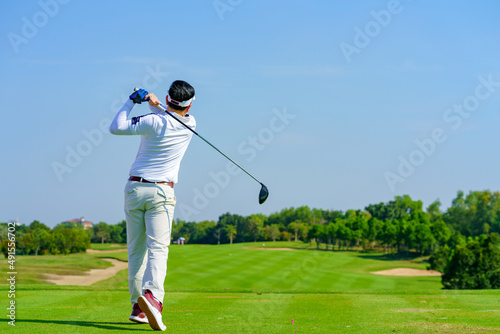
(438, 259)
(4, 247)
(434, 212)
(217, 234)
(475, 265)
(314, 234)
(474, 214)
(305, 214)
(123, 234)
(400, 207)
(409, 235)
(273, 231)
(25, 244)
(231, 232)
(35, 225)
(374, 227)
(441, 232)
(295, 227)
(343, 234)
(239, 222)
(102, 232)
(331, 231)
(38, 239)
(353, 222)
(176, 228)
(204, 232)
(304, 230)
(62, 240)
(80, 240)
(115, 234)
(285, 235)
(362, 228)
(331, 216)
(41, 240)
(424, 238)
(456, 239)
(388, 235)
(255, 227)
(379, 211)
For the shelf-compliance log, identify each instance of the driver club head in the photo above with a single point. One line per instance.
(264, 193)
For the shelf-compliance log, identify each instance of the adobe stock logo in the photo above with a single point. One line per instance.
(224, 6)
(453, 119)
(30, 28)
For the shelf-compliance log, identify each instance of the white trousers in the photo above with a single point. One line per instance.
(149, 210)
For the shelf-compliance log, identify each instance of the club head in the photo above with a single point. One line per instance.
(264, 193)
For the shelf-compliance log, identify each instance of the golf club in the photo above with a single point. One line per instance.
(264, 192)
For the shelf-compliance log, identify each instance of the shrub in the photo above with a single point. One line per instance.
(475, 265)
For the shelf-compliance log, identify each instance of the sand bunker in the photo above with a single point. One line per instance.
(89, 277)
(407, 272)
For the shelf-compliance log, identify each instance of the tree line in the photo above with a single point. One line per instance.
(400, 225)
(38, 239)
(466, 232)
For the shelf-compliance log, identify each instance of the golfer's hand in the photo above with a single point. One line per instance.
(153, 100)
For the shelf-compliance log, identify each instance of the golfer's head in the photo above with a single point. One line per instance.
(180, 95)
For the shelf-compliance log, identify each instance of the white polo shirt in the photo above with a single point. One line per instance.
(163, 141)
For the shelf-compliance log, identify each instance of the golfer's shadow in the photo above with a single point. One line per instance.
(118, 326)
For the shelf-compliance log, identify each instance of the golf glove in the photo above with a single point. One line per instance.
(139, 96)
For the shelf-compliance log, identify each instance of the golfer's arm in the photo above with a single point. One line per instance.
(155, 110)
(121, 125)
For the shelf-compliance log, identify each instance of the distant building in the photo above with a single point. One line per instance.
(80, 221)
(87, 225)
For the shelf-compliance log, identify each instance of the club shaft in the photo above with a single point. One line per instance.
(206, 141)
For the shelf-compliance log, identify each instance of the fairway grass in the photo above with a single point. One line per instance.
(105, 310)
(242, 288)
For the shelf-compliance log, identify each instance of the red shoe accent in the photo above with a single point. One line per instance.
(138, 316)
(153, 309)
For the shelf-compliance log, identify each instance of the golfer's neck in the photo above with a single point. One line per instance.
(178, 112)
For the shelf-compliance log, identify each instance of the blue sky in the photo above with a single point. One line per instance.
(331, 104)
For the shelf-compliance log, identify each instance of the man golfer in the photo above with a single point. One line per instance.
(149, 193)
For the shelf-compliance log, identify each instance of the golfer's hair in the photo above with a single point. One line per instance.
(180, 91)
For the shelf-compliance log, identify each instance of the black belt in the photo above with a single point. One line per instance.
(140, 179)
